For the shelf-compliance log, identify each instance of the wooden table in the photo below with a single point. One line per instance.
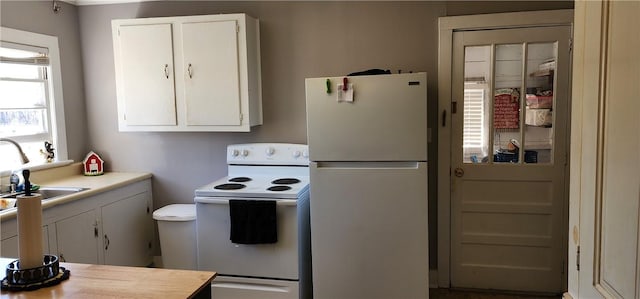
(101, 281)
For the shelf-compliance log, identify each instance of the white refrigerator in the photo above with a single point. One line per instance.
(368, 188)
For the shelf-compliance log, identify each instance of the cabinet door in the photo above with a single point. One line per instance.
(146, 83)
(127, 231)
(78, 238)
(212, 88)
(9, 246)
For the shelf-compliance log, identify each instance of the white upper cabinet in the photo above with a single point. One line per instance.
(207, 73)
(194, 73)
(145, 86)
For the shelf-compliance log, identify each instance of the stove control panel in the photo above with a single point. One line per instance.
(268, 154)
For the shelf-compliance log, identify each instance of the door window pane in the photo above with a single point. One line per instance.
(477, 74)
(506, 103)
(539, 131)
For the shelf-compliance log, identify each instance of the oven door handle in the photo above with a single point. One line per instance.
(225, 201)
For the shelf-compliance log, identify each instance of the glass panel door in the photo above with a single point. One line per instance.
(509, 141)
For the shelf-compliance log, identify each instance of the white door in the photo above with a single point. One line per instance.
(146, 87)
(211, 77)
(508, 159)
(605, 177)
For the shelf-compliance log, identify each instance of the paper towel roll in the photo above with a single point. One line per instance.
(30, 231)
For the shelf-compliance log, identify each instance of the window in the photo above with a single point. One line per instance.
(31, 110)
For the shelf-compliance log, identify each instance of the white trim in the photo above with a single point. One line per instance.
(58, 126)
(446, 27)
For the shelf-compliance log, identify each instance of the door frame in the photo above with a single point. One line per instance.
(446, 27)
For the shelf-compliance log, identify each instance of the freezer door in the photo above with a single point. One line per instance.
(369, 235)
(387, 121)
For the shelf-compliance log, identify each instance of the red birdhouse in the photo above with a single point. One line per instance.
(93, 164)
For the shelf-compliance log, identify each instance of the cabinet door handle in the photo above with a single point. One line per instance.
(106, 242)
(190, 71)
(166, 70)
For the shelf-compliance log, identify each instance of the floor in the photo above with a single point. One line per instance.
(464, 294)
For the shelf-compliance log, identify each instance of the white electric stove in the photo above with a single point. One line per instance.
(275, 172)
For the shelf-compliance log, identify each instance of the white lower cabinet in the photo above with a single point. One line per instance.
(77, 238)
(127, 231)
(112, 228)
(9, 243)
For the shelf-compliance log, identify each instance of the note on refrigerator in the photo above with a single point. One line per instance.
(345, 95)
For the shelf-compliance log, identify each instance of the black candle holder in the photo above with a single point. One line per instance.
(49, 274)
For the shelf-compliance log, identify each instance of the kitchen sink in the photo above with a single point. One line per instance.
(50, 192)
(53, 192)
(8, 201)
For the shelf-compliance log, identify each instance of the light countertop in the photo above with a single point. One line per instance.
(102, 281)
(71, 176)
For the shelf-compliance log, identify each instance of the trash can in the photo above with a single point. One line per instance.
(177, 232)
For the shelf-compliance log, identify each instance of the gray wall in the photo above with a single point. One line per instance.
(298, 40)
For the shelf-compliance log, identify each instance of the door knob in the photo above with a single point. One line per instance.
(459, 172)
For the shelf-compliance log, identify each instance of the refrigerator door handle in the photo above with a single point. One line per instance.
(369, 164)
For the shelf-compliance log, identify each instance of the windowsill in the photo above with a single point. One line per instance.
(37, 167)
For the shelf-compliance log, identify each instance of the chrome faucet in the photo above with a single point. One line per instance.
(24, 159)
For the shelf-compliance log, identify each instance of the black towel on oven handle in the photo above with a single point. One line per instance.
(253, 221)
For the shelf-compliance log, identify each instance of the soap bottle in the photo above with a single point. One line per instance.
(14, 181)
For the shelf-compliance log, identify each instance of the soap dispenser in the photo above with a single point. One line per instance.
(14, 181)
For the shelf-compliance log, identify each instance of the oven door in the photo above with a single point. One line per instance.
(217, 253)
(251, 288)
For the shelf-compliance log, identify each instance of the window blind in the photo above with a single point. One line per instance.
(473, 129)
(23, 54)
